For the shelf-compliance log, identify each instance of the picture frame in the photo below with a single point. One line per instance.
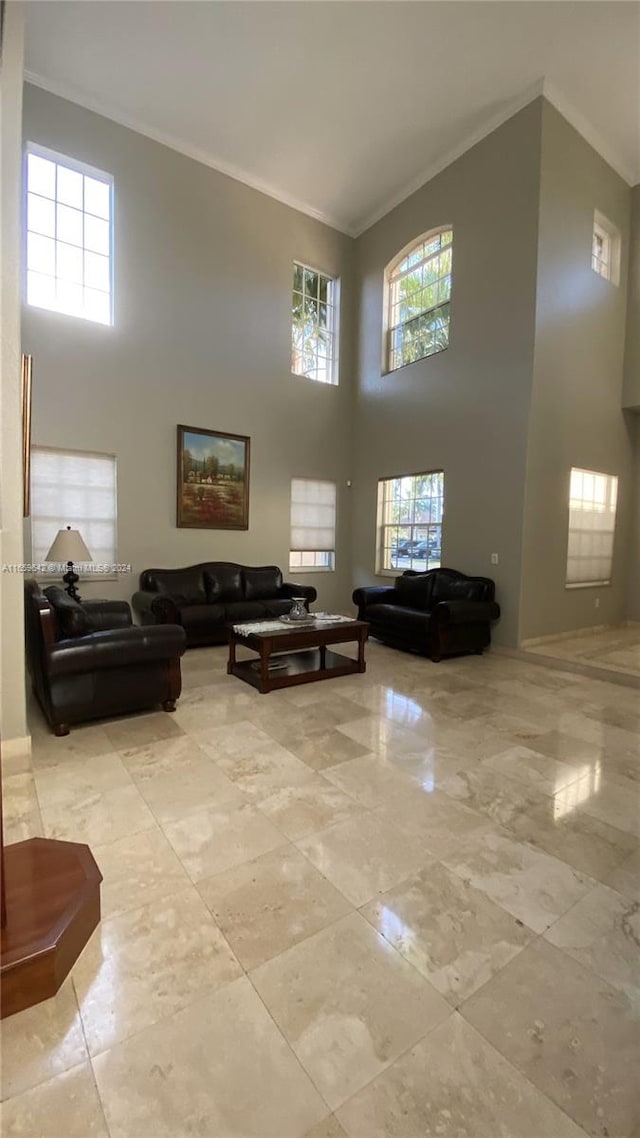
(212, 479)
(26, 375)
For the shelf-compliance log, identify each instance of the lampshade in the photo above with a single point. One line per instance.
(68, 546)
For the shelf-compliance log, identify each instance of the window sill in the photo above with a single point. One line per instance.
(312, 569)
(318, 382)
(589, 585)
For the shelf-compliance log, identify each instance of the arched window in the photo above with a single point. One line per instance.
(418, 299)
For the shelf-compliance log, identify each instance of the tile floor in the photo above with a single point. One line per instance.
(398, 905)
(614, 649)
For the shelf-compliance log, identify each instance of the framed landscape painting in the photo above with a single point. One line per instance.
(213, 479)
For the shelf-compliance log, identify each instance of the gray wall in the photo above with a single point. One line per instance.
(632, 346)
(203, 269)
(464, 410)
(576, 411)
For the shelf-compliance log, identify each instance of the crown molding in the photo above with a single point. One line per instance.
(542, 87)
(73, 95)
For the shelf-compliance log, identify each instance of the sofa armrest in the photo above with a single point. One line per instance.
(114, 648)
(291, 589)
(155, 608)
(375, 595)
(465, 612)
(108, 614)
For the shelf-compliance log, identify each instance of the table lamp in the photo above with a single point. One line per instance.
(68, 546)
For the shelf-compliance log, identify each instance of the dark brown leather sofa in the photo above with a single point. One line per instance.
(205, 598)
(88, 661)
(438, 613)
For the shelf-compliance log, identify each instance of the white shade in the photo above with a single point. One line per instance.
(76, 489)
(313, 515)
(68, 546)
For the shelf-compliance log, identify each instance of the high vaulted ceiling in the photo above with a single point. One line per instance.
(341, 108)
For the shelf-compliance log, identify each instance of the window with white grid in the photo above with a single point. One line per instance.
(605, 249)
(410, 514)
(592, 520)
(77, 489)
(313, 524)
(69, 215)
(418, 300)
(314, 325)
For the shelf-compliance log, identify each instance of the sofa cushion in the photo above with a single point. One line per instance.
(277, 608)
(192, 616)
(399, 617)
(185, 588)
(244, 610)
(223, 582)
(72, 620)
(415, 590)
(450, 587)
(262, 583)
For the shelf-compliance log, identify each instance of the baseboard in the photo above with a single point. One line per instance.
(534, 641)
(563, 664)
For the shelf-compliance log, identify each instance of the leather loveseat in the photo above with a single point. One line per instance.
(204, 598)
(88, 661)
(438, 613)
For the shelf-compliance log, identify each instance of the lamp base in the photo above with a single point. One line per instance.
(71, 580)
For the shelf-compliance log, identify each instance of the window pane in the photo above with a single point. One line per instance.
(69, 225)
(69, 262)
(415, 499)
(96, 235)
(96, 271)
(97, 197)
(41, 254)
(69, 187)
(41, 175)
(41, 290)
(97, 305)
(419, 289)
(41, 215)
(69, 297)
(310, 282)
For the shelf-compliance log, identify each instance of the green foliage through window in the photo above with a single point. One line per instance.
(419, 301)
(313, 325)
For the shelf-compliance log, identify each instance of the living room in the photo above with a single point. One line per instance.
(531, 196)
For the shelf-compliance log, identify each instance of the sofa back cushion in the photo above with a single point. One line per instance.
(223, 582)
(71, 618)
(263, 583)
(184, 586)
(449, 585)
(415, 590)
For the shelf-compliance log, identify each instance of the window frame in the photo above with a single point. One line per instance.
(78, 167)
(333, 329)
(84, 576)
(330, 554)
(381, 526)
(606, 230)
(612, 482)
(387, 327)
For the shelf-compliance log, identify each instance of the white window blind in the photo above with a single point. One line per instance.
(313, 523)
(592, 520)
(77, 489)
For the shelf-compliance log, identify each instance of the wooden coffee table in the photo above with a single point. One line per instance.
(304, 652)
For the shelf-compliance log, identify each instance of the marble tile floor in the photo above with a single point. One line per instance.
(613, 649)
(398, 905)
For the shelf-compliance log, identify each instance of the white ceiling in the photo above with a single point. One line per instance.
(342, 108)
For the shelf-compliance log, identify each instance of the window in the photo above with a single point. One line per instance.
(313, 524)
(314, 325)
(592, 519)
(68, 236)
(418, 300)
(605, 249)
(410, 511)
(77, 489)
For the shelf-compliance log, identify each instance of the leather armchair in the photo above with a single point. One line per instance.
(89, 661)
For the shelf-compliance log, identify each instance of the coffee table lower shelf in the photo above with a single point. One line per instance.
(302, 668)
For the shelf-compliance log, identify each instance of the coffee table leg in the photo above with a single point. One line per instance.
(362, 667)
(231, 663)
(323, 657)
(265, 653)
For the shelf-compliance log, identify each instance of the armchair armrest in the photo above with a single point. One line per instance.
(114, 648)
(374, 595)
(108, 614)
(155, 608)
(465, 612)
(291, 589)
